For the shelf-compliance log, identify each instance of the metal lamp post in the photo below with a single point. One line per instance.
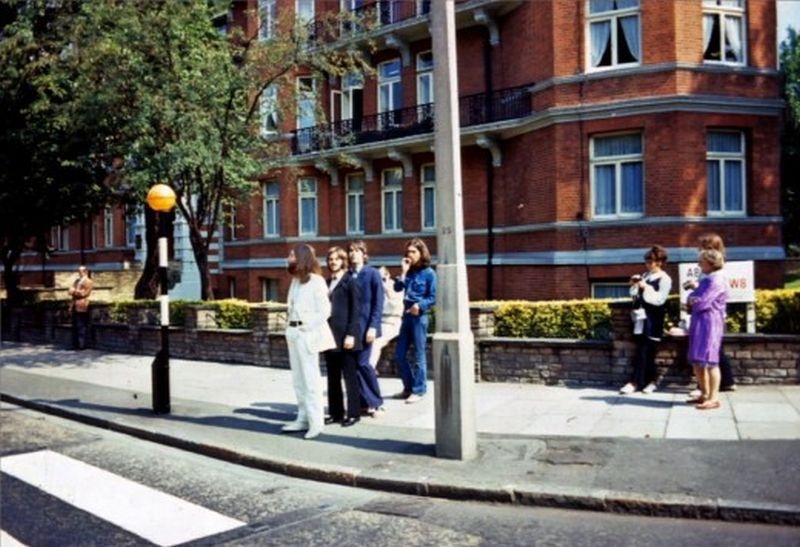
(161, 199)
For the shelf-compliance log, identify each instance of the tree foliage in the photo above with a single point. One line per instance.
(178, 100)
(47, 175)
(790, 67)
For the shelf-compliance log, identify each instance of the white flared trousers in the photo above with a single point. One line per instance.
(306, 378)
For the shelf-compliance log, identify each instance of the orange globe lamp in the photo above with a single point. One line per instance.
(161, 198)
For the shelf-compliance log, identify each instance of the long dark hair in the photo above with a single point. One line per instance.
(306, 262)
(425, 254)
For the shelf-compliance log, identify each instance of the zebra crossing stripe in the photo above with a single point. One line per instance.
(7, 540)
(161, 518)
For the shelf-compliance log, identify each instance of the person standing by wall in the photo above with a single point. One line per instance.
(80, 291)
(369, 282)
(341, 362)
(307, 334)
(707, 305)
(418, 280)
(727, 382)
(649, 292)
(391, 318)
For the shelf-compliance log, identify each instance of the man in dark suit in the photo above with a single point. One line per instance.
(345, 296)
(371, 285)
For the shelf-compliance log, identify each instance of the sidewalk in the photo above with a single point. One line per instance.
(565, 447)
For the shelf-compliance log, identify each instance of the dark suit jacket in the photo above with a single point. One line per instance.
(371, 285)
(345, 309)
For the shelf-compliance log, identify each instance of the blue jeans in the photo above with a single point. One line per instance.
(413, 330)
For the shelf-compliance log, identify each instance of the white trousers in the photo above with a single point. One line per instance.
(306, 379)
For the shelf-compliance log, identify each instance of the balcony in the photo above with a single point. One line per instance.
(479, 109)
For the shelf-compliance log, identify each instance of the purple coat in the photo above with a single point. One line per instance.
(708, 319)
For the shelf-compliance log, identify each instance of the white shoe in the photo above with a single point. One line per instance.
(413, 398)
(291, 427)
(695, 393)
(314, 432)
(649, 388)
(627, 389)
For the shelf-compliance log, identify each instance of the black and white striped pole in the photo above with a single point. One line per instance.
(161, 198)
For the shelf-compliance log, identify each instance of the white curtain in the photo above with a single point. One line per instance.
(708, 29)
(630, 28)
(601, 32)
(733, 37)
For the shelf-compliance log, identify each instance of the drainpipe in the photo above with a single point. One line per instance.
(489, 86)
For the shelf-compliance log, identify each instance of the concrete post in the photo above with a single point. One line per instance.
(453, 345)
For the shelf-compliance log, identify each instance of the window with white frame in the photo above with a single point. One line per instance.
(272, 211)
(59, 238)
(725, 171)
(305, 11)
(424, 85)
(307, 205)
(229, 219)
(724, 31)
(306, 113)
(268, 108)
(389, 93)
(611, 290)
(614, 33)
(428, 197)
(108, 227)
(268, 18)
(355, 204)
(269, 289)
(131, 220)
(392, 203)
(617, 176)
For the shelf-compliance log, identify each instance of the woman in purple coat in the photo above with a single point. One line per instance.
(707, 304)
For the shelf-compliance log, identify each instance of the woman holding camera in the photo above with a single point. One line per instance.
(649, 292)
(418, 280)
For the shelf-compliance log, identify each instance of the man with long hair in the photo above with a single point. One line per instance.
(418, 280)
(307, 334)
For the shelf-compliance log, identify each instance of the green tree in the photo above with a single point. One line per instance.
(790, 67)
(179, 101)
(45, 178)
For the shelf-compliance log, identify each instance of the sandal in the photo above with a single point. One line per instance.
(708, 405)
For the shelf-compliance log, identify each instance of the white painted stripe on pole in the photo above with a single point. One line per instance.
(7, 540)
(161, 518)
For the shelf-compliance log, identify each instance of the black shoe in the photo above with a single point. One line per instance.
(331, 420)
(350, 421)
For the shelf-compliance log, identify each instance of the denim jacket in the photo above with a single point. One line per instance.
(419, 287)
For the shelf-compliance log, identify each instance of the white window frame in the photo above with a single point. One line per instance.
(427, 193)
(392, 195)
(307, 195)
(267, 19)
(131, 220)
(59, 238)
(721, 158)
(108, 227)
(618, 162)
(269, 111)
(354, 205)
(424, 84)
(269, 289)
(271, 208)
(725, 11)
(304, 10)
(230, 222)
(613, 17)
(391, 87)
(622, 287)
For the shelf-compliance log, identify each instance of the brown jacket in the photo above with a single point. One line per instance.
(80, 291)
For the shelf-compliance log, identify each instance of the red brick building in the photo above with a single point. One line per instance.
(591, 129)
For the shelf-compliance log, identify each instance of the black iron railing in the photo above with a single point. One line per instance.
(481, 108)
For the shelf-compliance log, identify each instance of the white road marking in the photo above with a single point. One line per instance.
(161, 518)
(7, 540)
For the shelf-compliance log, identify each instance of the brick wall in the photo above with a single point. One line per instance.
(755, 358)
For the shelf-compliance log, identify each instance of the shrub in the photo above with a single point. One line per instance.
(232, 314)
(582, 319)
